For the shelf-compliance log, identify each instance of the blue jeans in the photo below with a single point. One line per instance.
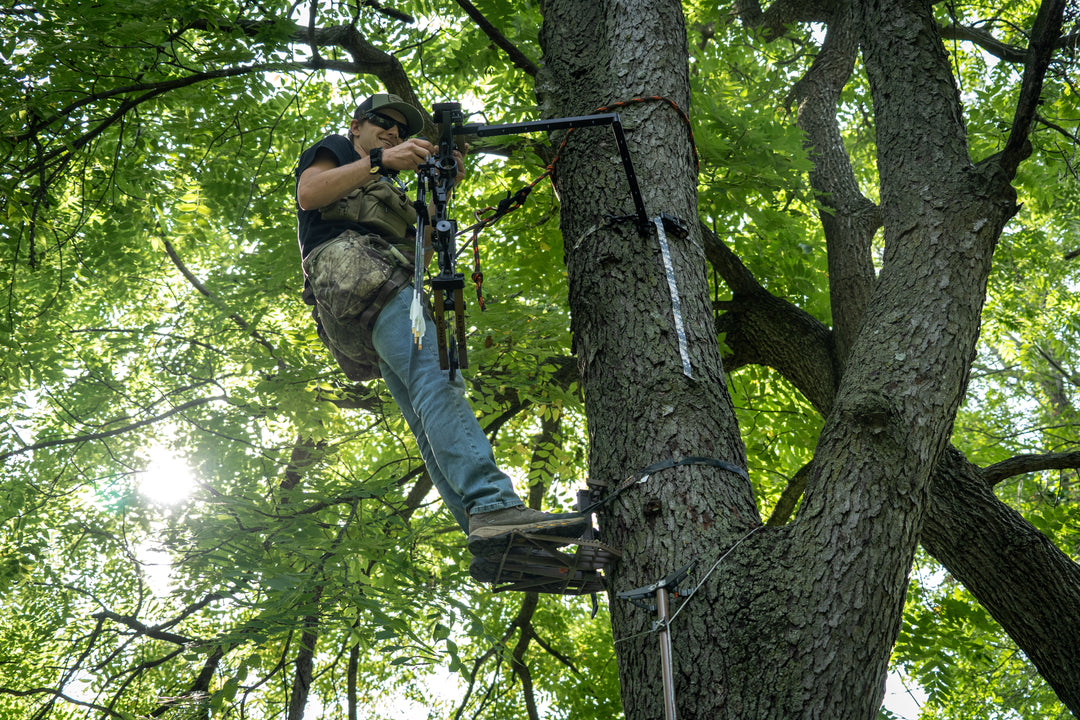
(455, 450)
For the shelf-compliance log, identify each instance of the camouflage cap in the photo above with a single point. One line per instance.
(414, 119)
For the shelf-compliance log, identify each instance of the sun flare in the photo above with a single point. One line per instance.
(168, 479)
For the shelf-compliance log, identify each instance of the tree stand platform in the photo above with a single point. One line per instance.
(541, 563)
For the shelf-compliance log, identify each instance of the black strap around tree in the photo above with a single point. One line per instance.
(644, 473)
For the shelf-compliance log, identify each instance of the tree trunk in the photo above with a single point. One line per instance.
(642, 407)
(1001, 559)
(798, 621)
(848, 218)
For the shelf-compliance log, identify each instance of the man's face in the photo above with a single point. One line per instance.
(368, 136)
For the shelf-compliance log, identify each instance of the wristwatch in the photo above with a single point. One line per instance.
(375, 157)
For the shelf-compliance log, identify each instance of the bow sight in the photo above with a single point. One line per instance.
(437, 180)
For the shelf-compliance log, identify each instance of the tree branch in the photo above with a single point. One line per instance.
(522, 670)
(1006, 563)
(351, 673)
(1021, 464)
(985, 40)
(517, 57)
(789, 498)
(200, 687)
(235, 317)
(1001, 50)
(1064, 373)
(1045, 35)
(143, 629)
(1023, 580)
(389, 12)
(305, 663)
(847, 216)
(557, 655)
(57, 694)
(116, 431)
(60, 155)
(524, 622)
(780, 14)
(366, 59)
(729, 265)
(477, 664)
(766, 330)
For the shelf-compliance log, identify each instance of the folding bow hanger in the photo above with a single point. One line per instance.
(437, 177)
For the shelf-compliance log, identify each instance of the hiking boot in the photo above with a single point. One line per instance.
(489, 533)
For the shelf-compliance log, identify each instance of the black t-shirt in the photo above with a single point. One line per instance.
(312, 229)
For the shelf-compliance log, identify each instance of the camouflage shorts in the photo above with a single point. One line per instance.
(352, 279)
(346, 273)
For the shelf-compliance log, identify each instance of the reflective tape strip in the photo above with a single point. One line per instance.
(676, 307)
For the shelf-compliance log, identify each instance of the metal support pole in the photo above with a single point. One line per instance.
(440, 176)
(570, 123)
(666, 665)
(663, 589)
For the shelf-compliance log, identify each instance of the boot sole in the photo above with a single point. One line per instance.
(493, 539)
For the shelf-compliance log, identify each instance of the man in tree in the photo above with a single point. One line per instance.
(356, 238)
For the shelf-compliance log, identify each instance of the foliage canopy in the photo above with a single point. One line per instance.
(151, 311)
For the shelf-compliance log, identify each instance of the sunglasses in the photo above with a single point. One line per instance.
(385, 122)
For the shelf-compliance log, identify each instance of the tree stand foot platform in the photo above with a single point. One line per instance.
(533, 562)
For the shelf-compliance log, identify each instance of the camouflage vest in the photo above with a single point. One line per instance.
(380, 206)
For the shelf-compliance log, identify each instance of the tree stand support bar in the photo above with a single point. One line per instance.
(438, 176)
(668, 586)
(571, 123)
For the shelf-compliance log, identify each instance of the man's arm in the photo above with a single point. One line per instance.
(324, 181)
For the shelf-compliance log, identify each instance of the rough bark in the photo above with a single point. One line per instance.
(795, 621)
(1031, 572)
(1026, 583)
(870, 478)
(762, 329)
(641, 407)
(848, 218)
(1022, 579)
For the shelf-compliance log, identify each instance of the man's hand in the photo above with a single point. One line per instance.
(408, 155)
(413, 153)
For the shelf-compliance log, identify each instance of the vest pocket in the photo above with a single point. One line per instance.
(347, 272)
